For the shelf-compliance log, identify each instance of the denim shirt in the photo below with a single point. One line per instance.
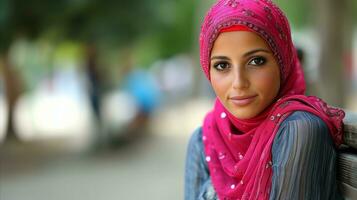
(304, 163)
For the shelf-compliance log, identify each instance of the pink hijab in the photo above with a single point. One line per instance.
(238, 152)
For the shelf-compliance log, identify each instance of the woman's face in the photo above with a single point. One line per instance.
(244, 73)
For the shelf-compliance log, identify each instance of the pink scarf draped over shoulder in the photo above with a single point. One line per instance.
(238, 152)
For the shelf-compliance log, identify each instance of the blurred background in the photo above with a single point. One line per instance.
(98, 98)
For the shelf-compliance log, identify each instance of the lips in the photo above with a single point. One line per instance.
(242, 100)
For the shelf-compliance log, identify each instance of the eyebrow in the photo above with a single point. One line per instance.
(244, 55)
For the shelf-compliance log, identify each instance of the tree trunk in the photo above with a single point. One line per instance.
(200, 85)
(331, 18)
(13, 89)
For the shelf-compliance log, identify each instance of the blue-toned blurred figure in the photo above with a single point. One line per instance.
(143, 87)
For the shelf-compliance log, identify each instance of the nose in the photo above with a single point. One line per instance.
(240, 79)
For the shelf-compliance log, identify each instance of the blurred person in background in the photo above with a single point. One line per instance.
(94, 80)
(142, 87)
(263, 139)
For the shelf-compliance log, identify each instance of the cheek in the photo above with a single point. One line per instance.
(220, 85)
(268, 83)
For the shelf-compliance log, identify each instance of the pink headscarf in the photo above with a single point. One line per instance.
(238, 152)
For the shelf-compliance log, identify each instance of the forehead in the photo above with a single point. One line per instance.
(238, 41)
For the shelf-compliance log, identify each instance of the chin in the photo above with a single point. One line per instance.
(242, 113)
(245, 115)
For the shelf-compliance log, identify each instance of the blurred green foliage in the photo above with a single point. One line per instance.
(354, 11)
(158, 27)
(153, 28)
(298, 12)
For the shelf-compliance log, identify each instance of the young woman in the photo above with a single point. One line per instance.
(264, 139)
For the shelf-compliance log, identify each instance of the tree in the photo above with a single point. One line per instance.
(333, 23)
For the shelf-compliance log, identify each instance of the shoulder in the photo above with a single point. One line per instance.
(195, 156)
(195, 145)
(304, 121)
(303, 116)
(197, 178)
(303, 157)
(195, 142)
(196, 135)
(302, 128)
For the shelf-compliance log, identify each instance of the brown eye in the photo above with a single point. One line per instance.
(221, 66)
(257, 61)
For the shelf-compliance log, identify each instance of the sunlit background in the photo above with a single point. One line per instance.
(98, 98)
